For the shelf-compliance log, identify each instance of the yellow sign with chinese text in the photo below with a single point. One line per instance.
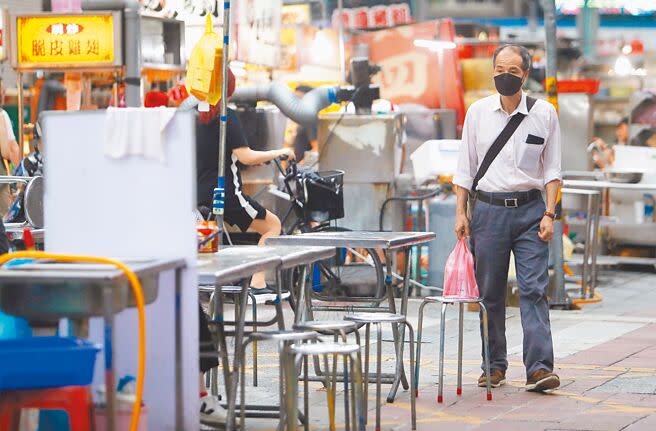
(66, 41)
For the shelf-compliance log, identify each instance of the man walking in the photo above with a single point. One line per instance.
(510, 154)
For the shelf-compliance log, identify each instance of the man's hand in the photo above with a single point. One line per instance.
(546, 229)
(462, 226)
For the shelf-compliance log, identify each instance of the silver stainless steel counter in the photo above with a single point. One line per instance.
(45, 291)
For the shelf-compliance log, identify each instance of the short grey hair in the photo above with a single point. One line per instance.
(517, 49)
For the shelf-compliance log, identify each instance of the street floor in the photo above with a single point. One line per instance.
(605, 357)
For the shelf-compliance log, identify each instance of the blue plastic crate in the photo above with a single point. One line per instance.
(46, 362)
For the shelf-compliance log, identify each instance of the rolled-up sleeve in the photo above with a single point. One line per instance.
(467, 158)
(552, 152)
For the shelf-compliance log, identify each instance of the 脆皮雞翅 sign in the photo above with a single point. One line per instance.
(67, 41)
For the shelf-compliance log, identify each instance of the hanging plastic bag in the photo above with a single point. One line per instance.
(204, 66)
(459, 277)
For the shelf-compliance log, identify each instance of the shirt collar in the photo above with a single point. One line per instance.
(520, 108)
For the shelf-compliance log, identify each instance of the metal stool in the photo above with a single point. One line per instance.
(235, 291)
(351, 355)
(339, 329)
(486, 348)
(378, 319)
(285, 339)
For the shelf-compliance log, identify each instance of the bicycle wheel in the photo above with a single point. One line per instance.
(350, 273)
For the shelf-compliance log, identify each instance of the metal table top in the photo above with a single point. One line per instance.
(292, 256)
(609, 185)
(44, 270)
(289, 257)
(231, 264)
(356, 239)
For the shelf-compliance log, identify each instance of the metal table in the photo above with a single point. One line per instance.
(289, 258)
(589, 271)
(606, 185)
(232, 264)
(387, 242)
(103, 291)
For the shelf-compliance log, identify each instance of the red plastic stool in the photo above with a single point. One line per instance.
(75, 400)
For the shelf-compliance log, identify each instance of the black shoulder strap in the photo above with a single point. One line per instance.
(501, 141)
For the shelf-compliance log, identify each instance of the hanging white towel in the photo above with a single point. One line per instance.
(136, 132)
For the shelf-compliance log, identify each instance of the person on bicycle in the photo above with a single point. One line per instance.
(240, 209)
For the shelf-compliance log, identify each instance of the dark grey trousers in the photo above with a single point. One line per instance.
(495, 232)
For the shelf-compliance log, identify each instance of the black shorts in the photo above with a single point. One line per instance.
(241, 211)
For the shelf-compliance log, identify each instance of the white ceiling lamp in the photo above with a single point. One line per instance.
(435, 45)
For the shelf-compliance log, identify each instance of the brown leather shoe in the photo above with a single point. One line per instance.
(542, 380)
(497, 378)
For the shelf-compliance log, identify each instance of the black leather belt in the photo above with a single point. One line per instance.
(517, 200)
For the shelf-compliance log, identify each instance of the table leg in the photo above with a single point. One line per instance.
(399, 337)
(307, 288)
(279, 316)
(301, 303)
(236, 363)
(288, 363)
(217, 316)
(179, 411)
(586, 250)
(595, 243)
(110, 381)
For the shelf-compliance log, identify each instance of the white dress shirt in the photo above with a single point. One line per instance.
(529, 160)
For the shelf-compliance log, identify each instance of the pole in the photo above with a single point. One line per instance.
(551, 85)
(588, 26)
(342, 52)
(560, 297)
(21, 113)
(218, 203)
(532, 16)
(440, 70)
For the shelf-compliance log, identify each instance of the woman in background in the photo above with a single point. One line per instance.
(10, 153)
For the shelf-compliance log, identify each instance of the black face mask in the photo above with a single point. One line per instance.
(508, 84)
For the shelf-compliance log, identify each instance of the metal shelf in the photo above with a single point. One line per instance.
(609, 99)
(606, 260)
(609, 222)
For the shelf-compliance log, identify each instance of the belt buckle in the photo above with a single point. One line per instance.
(510, 203)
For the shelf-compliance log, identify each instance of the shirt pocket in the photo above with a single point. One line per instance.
(528, 154)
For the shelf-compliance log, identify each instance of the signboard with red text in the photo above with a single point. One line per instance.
(67, 41)
(371, 17)
(411, 74)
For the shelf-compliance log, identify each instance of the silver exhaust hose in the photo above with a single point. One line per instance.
(303, 111)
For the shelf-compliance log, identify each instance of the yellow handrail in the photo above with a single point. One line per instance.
(138, 295)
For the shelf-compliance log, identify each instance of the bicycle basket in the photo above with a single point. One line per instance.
(323, 195)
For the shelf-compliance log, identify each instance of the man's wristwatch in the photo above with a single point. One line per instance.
(551, 215)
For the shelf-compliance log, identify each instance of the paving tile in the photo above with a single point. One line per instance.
(646, 423)
(601, 380)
